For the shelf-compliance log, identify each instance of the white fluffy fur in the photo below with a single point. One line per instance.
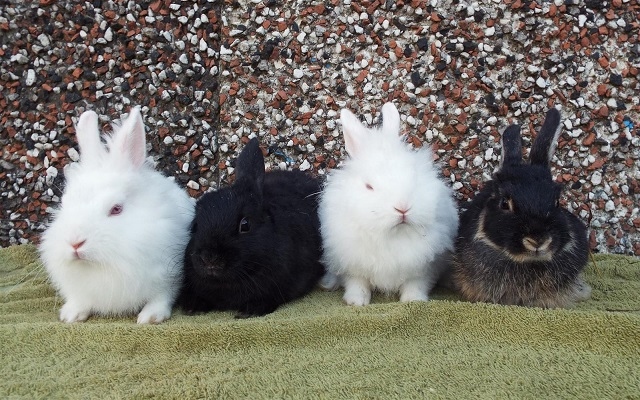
(365, 247)
(131, 262)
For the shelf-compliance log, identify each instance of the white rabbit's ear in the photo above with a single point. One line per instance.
(390, 119)
(88, 134)
(354, 132)
(130, 141)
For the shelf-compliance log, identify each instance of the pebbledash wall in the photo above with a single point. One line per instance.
(210, 75)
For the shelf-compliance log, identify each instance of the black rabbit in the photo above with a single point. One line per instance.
(516, 244)
(255, 244)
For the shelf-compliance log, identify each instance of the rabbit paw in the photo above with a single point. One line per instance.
(71, 313)
(413, 291)
(154, 313)
(582, 290)
(356, 292)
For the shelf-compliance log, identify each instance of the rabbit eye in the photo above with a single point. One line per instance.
(557, 203)
(115, 210)
(505, 204)
(245, 226)
(368, 186)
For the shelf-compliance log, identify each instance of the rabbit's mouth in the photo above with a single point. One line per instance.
(535, 250)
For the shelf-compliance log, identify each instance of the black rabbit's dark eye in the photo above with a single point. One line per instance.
(505, 204)
(245, 226)
(557, 203)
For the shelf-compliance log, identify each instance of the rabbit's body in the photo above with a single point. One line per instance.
(256, 244)
(115, 246)
(516, 245)
(387, 220)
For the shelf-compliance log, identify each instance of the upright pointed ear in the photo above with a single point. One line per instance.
(511, 146)
(546, 142)
(250, 164)
(130, 141)
(390, 119)
(354, 132)
(88, 134)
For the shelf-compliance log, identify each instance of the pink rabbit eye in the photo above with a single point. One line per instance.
(369, 186)
(115, 210)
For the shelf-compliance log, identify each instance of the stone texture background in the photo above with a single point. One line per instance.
(213, 74)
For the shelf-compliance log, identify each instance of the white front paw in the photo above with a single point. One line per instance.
(71, 313)
(406, 296)
(413, 291)
(356, 292)
(154, 313)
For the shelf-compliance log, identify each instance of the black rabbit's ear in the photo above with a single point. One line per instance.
(250, 164)
(511, 146)
(547, 140)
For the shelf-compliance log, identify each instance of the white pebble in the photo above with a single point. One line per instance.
(108, 35)
(193, 184)
(203, 45)
(31, 77)
(44, 40)
(609, 206)
(490, 31)
(73, 154)
(297, 73)
(52, 173)
(596, 178)
(305, 165)
(541, 83)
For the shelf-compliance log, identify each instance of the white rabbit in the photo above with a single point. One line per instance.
(116, 245)
(387, 221)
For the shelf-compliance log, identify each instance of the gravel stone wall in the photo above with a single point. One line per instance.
(209, 75)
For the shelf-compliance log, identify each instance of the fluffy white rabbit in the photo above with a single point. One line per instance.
(116, 245)
(388, 222)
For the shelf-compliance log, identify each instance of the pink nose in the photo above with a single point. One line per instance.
(77, 245)
(401, 211)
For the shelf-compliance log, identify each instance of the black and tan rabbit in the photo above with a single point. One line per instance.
(516, 245)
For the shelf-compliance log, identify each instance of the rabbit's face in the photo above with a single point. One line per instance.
(96, 216)
(392, 192)
(225, 233)
(523, 218)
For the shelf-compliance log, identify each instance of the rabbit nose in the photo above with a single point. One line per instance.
(536, 244)
(77, 245)
(402, 210)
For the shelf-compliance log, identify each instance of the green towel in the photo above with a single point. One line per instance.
(319, 348)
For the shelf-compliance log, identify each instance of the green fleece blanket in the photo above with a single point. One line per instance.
(319, 348)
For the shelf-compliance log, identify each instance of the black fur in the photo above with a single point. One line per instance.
(521, 201)
(276, 261)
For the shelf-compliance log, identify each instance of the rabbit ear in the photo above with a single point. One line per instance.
(250, 164)
(354, 132)
(88, 134)
(511, 146)
(546, 142)
(390, 119)
(130, 141)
